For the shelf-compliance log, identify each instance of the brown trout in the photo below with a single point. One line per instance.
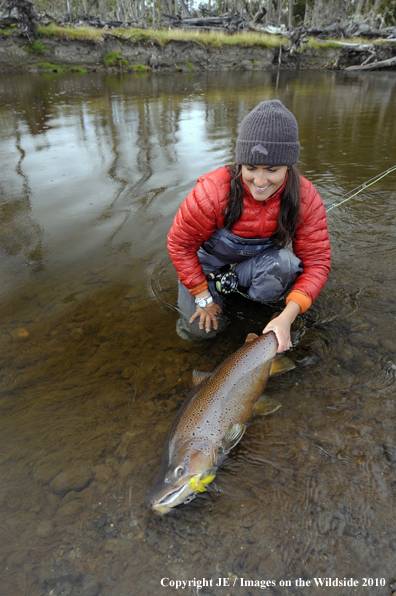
(212, 420)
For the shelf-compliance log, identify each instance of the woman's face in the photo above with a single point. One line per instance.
(263, 181)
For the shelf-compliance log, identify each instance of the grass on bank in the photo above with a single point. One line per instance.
(48, 68)
(7, 31)
(162, 36)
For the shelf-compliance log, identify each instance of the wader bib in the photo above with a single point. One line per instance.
(264, 271)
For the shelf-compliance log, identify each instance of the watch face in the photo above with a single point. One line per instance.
(202, 302)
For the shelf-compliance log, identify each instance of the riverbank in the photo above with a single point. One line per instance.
(90, 50)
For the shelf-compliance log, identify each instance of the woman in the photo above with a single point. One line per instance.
(235, 224)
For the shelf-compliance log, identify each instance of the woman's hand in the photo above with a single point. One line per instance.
(281, 326)
(207, 316)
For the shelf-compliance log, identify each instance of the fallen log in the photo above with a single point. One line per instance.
(205, 21)
(374, 65)
(364, 30)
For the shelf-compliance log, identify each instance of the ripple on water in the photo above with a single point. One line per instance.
(162, 278)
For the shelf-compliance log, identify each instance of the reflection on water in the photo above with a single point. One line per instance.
(93, 373)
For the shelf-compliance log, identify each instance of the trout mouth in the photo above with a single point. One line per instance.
(173, 498)
(182, 494)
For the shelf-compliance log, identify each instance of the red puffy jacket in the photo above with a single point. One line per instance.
(202, 213)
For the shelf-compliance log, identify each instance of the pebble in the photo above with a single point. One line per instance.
(390, 454)
(46, 470)
(116, 570)
(389, 345)
(91, 588)
(45, 529)
(50, 577)
(72, 509)
(73, 479)
(103, 473)
(19, 334)
(101, 521)
(127, 468)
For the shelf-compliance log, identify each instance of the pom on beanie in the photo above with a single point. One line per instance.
(268, 136)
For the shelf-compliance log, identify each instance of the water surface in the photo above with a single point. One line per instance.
(93, 170)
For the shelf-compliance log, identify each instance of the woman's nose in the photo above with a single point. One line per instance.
(261, 179)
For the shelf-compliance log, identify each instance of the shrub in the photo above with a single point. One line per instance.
(47, 67)
(141, 68)
(35, 47)
(115, 59)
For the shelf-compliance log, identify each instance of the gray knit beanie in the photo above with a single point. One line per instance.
(268, 136)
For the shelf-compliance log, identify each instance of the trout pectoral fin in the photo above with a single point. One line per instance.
(266, 405)
(281, 364)
(251, 337)
(198, 377)
(233, 435)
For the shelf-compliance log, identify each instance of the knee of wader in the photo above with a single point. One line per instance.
(270, 275)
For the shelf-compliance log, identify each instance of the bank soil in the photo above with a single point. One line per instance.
(114, 54)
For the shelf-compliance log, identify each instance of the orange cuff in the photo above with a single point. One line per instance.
(302, 300)
(203, 286)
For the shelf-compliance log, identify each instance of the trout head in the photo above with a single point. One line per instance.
(187, 471)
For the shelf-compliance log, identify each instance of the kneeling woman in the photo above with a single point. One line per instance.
(240, 218)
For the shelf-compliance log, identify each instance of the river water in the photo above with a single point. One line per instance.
(93, 170)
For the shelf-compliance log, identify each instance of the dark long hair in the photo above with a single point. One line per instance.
(289, 208)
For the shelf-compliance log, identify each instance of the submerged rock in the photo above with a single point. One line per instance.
(74, 479)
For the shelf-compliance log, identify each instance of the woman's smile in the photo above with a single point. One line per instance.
(263, 181)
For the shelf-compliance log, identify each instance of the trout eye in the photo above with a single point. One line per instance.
(179, 472)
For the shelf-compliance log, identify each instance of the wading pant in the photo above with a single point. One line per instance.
(264, 271)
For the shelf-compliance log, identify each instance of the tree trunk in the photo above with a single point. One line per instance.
(120, 11)
(375, 12)
(269, 12)
(308, 14)
(68, 8)
(326, 12)
(359, 8)
(290, 15)
(102, 10)
(185, 9)
(166, 7)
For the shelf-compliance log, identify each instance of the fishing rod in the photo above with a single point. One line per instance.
(360, 188)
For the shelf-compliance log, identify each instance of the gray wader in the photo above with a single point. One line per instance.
(265, 273)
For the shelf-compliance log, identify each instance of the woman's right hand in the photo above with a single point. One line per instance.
(207, 316)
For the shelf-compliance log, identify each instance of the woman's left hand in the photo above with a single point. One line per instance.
(281, 326)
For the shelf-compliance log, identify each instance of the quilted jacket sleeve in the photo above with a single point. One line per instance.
(312, 243)
(195, 222)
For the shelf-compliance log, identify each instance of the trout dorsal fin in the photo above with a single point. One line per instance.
(233, 435)
(251, 337)
(198, 377)
(266, 405)
(281, 364)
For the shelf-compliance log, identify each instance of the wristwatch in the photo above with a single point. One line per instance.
(205, 301)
